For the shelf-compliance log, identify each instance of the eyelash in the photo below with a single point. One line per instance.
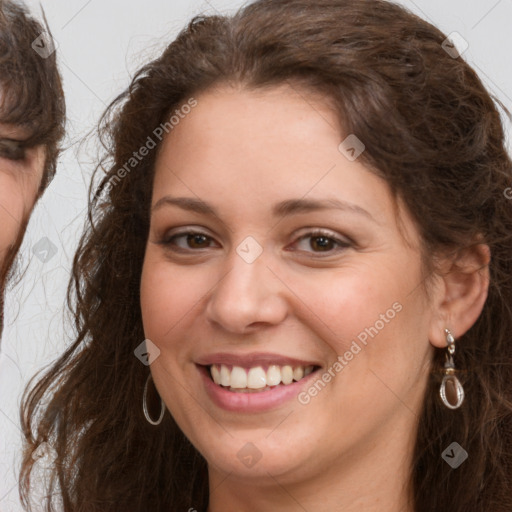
(342, 244)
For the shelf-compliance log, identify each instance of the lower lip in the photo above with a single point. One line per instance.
(251, 402)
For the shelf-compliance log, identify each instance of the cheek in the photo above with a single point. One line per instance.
(374, 316)
(377, 333)
(168, 295)
(19, 185)
(351, 300)
(13, 210)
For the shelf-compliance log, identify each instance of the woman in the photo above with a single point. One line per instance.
(32, 116)
(295, 290)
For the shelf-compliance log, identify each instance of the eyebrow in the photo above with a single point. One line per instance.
(282, 209)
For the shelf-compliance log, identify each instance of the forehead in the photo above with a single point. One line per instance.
(280, 137)
(249, 132)
(282, 110)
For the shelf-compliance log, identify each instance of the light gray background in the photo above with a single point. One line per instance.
(101, 43)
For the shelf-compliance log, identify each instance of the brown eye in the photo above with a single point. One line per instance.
(12, 149)
(186, 241)
(318, 242)
(196, 241)
(322, 243)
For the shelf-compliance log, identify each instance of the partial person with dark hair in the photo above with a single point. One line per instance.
(32, 118)
(295, 289)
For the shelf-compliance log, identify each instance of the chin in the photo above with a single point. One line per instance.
(256, 455)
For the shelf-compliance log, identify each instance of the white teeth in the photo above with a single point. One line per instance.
(225, 375)
(239, 378)
(256, 378)
(298, 373)
(287, 374)
(215, 374)
(273, 375)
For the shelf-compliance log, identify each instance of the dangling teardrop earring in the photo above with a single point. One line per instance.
(451, 391)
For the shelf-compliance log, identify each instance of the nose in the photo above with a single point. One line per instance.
(248, 297)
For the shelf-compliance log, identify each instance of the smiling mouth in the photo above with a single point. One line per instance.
(258, 378)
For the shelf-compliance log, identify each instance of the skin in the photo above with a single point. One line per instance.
(20, 180)
(350, 448)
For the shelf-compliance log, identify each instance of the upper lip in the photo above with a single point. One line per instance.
(253, 359)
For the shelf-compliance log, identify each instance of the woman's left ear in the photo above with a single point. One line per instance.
(461, 292)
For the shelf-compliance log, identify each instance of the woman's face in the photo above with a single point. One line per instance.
(21, 172)
(270, 254)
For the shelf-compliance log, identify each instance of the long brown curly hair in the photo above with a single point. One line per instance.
(430, 129)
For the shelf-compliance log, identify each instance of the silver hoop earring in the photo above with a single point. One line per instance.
(145, 406)
(451, 391)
